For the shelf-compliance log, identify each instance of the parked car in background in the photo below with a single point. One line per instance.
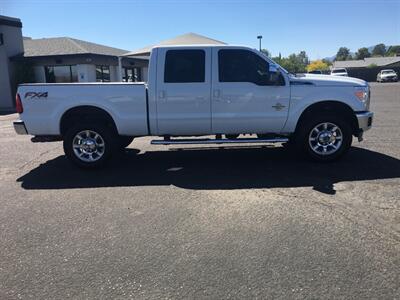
(387, 75)
(339, 72)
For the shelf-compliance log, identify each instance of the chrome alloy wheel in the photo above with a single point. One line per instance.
(325, 138)
(88, 146)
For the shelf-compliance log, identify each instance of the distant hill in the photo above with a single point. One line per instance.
(331, 58)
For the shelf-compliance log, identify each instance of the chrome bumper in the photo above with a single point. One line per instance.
(19, 127)
(365, 120)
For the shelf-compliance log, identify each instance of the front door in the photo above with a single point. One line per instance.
(183, 91)
(244, 97)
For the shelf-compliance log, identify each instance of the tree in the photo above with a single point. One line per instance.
(266, 52)
(317, 65)
(393, 50)
(295, 63)
(379, 50)
(303, 58)
(343, 54)
(327, 61)
(362, 53)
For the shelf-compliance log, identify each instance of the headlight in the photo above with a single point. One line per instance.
(361, 93)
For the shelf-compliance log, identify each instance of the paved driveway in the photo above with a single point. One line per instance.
(203, 222)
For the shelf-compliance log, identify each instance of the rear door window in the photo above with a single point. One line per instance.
(184, 66)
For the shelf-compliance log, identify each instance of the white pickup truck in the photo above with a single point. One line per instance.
(194, 92)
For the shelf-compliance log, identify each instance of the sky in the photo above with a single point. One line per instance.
(319, 27)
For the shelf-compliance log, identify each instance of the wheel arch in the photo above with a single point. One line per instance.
(86, 113)
(329, 107)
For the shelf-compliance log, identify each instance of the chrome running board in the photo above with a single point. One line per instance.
(218, 141)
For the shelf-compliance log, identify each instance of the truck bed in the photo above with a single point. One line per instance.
(45, 104)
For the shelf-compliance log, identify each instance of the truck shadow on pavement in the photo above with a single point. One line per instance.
(215, 168)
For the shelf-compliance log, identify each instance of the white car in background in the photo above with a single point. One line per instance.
(387, 75)
(339, 72)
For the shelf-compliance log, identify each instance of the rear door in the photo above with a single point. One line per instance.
(245, 98)
(183, 91)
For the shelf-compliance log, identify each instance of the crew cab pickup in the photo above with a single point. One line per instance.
(194, 92)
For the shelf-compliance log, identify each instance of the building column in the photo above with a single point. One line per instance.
(145, 74)
(119, 68)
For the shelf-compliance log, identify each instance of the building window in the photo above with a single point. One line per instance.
(103, 73)
(59, 74)
(1, 39)
(183, 66)
(131, 74)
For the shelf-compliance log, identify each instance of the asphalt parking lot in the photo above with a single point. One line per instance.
(233, 222)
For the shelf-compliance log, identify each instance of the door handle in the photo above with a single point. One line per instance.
(217, 93)
(161, 94)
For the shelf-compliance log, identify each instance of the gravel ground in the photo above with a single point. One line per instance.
(203, 222)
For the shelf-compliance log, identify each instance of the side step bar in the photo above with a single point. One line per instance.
(218, 141)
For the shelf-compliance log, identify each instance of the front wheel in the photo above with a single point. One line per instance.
(325, 138)
(89, 145)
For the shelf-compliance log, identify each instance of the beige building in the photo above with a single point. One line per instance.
(61, 59)
(65, 59)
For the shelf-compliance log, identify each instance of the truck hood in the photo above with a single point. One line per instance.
(326, 80)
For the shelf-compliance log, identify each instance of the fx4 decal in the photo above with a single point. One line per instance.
(32, 95)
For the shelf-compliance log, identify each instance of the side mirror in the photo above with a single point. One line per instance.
(275, 76)
(273, 69)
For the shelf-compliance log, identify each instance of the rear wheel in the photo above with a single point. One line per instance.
(89, 145)
(324, 138)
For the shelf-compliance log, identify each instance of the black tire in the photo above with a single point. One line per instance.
(306, 140)
(106, 135)
(125, 141)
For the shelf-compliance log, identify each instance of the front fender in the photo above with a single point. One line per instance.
(303, 97)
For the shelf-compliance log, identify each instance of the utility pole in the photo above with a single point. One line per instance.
(259, 38)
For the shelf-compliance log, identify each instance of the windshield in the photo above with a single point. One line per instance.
(387, 72)
(339, 71)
